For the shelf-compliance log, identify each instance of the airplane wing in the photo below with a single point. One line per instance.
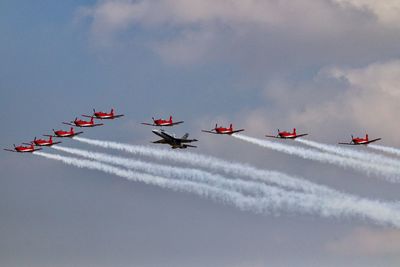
(36, 149)
(96, 124)
(161, 141)
(187, 140)
(237, 131)
(168, 138)
(374, 140)
(77, 133)
(272, 136)
(10, 150)
(350, 144)
(118, 116)
(189, 146)
(70, 124)
(150, 124)
(175, 123)
(300, 135)
(87, 116)
(207, 131)
(55, 143)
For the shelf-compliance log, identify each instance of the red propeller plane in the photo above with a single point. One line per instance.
(223, 130)
(61, 133)
(287, 135)
(23, 149)
(104, 115)
(161, 122)
(360, 141)
(82, 123)
(42, 142)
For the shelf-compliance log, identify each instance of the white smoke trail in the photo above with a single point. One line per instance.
(390, 173)
(379, 212)
(391, 150)
(238, 185)
(362, 155)
(213, 163)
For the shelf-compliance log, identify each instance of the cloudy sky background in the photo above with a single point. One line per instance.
(327, 67)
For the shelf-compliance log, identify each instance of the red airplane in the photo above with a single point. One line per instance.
(82, 123)
(287, 135)
(104, 115)
(42, 142)
(360, 141)
(23, 149)
(61, 133)
(161, 122)
(223, 130)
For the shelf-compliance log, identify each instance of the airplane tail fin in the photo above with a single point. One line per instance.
(170, 118)
(112, 111)
(216, 126)
(71, 130)
(230, 126)
(366, 136)
(294, 130)
(91, 119)
(185, 136)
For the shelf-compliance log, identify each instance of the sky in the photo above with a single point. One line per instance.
(330, 68)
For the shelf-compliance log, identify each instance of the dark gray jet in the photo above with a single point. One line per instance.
(173, 141)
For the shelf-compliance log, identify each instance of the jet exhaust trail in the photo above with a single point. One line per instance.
(213, 163)
(379, 212)
(387, 149)
(391, 173)
(362, 155)
(238, 185)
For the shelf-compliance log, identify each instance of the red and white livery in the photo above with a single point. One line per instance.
(287, 135)
(161, 122)
(23, 149)
(104, 115)
(43, 142)
(62, 133)
(223, 130)
(82, 123)
(360, 141)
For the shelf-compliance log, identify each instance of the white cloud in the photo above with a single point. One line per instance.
(254, 32)
(357, 99)
(387, 11)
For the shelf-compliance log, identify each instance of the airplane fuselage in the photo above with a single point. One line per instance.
(24, 149)
(360, 141)
(41, 142)
(287, 135)
(162, 122)
(222, 130)
(101, 115)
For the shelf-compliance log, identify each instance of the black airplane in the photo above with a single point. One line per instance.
(173, 141)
